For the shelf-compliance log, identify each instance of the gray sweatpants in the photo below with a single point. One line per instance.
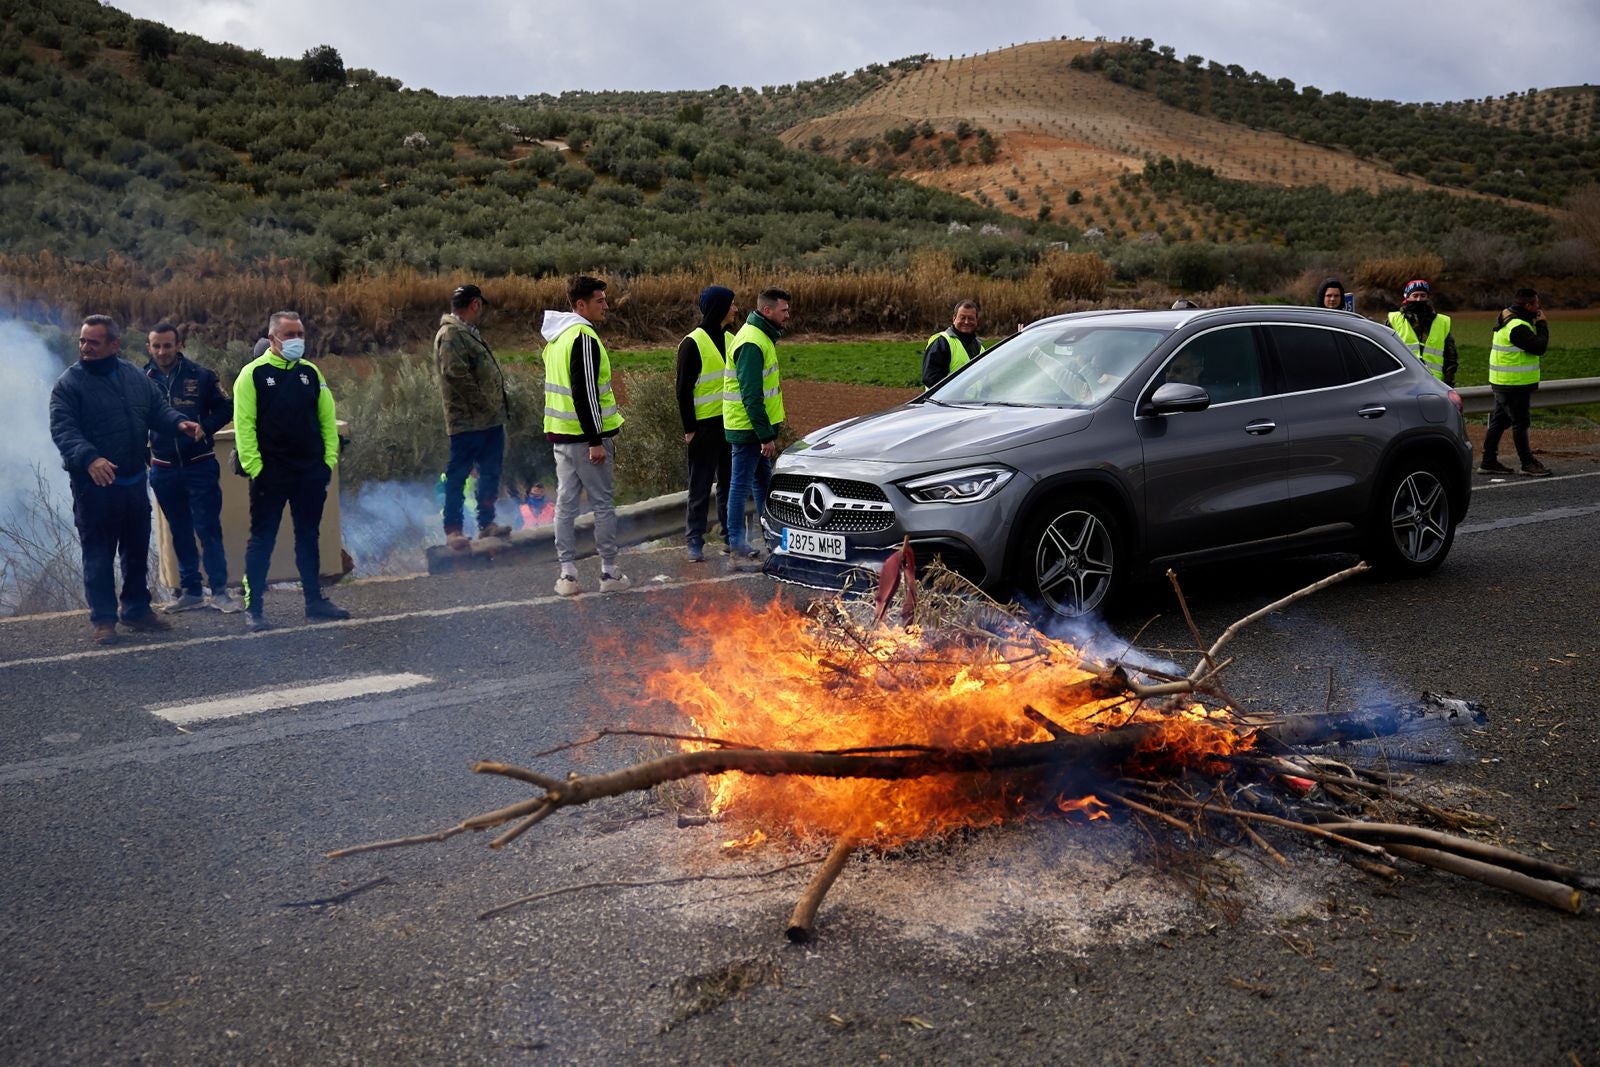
(575, 474)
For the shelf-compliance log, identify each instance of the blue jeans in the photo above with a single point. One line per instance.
(112, 521)
(751, 472)
(191, 499)
(486, 450)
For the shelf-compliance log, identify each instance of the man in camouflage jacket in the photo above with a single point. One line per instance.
(475, 412)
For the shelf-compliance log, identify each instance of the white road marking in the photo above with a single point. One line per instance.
(1531, 519)
(1502, 482)
(298, 696)
(146, 649)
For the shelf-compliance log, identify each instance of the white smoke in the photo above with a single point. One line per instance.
(388, 526)
(40, 569)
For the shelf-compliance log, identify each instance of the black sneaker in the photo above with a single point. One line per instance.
(325, 610)
(255, 622)
(1494, 466)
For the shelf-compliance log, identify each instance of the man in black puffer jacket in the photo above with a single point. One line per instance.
(102, 410)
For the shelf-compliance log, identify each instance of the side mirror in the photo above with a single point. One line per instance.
(1177, 396)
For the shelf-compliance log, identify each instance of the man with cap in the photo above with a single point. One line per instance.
(702, 362)
(475, 412)
(1521, 336)
(953, 347)
(1426, 332)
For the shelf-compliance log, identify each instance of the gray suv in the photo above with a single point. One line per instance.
(1094, 447)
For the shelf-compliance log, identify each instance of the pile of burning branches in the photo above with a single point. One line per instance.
(929, 708)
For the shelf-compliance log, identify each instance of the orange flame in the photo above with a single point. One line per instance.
(765, 677)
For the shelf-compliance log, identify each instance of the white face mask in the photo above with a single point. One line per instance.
(294, 348)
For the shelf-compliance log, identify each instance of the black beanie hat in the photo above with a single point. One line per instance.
(714, 302)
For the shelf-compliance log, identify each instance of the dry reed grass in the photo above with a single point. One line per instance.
(216, 302)
(1392, 272)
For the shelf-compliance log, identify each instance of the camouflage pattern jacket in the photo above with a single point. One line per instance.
(470, 379)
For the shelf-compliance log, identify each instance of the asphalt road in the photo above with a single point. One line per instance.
(164, 895)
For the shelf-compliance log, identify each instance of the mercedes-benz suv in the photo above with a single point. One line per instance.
(1092, 447)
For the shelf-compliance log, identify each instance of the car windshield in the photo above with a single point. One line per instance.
(1068, 365)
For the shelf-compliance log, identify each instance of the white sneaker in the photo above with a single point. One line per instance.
(226, 603)
(567, 585)
(614, 583)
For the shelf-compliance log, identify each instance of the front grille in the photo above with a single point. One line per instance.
(796, 483)
(854, 507)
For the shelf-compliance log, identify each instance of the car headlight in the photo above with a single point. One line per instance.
(965, 486)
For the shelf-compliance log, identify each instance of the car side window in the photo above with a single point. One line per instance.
(1225, 363)
(1312, 358)
(1371, 357)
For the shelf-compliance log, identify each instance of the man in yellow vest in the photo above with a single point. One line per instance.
(581, 421)
(951, 349)
(752, 410)
(1521, 336)
(1426, 332)
(702, 363)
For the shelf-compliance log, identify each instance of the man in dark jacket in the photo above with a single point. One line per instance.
(1521, 337)
(184, 474)
(102, 411)
(288, 444)
(953, 348)
(702, 358)
(475, 414)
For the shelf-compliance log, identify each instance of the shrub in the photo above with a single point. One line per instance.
(1073, 275)
(1392, 272)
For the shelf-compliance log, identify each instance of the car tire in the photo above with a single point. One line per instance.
(1414, 522)
(1072, 559)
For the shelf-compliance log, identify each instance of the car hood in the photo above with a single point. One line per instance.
(923, 432)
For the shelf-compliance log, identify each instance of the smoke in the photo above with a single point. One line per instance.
(388, 526)
(40, 569)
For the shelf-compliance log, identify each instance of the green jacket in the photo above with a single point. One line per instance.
(748, 365)
(470, 379)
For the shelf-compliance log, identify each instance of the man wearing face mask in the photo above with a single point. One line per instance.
(288, 442)
(1426, 332)
(102, 411)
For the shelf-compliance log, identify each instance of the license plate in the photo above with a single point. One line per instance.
(808, 543)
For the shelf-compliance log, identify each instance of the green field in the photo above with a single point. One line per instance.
(892, 363)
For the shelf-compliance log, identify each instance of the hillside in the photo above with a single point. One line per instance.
(1066, 131)
(124, 136)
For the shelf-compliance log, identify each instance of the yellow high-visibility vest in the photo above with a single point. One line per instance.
(1430, 351)
(734, 416)
(708, 384)
(958, 351)
(560, 413)
(1508, 364)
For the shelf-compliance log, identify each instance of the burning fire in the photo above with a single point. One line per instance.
(775, 678)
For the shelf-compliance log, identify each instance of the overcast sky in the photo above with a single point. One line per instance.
(1444, 50)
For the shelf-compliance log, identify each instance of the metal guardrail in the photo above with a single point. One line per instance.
(1564, 392)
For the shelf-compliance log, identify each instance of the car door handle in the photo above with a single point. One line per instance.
(1260, 426)
(1371, 411)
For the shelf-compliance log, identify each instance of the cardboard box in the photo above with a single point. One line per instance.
(236, 527)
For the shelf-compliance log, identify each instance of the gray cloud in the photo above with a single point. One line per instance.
(1470, 48)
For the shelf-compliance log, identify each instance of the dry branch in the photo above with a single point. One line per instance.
(805, 909)
(1555, 894)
